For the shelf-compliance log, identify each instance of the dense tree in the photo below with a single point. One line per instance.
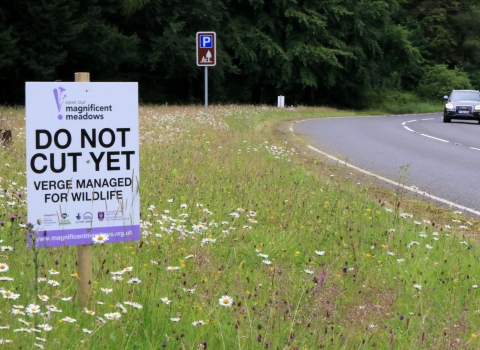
(50, 39)
(329, 51)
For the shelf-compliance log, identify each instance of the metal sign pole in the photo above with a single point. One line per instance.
(206, 89)
(206, 56)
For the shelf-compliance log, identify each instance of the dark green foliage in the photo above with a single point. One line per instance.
(50, 40)
(335, 52)
(439, 81)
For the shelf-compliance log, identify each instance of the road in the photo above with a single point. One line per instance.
(443, 159)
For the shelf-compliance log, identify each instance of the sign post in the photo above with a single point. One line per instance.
(84, 251)
(82, 167)
(206, 55)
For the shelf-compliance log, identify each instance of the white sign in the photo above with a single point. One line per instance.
(82, 162)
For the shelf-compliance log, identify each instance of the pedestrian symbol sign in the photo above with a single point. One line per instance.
(206, 49)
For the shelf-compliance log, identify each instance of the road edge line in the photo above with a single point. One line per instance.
(409, 188)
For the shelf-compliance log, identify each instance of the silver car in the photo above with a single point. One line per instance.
(462, 104)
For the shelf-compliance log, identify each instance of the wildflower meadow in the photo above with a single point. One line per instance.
(247, 242)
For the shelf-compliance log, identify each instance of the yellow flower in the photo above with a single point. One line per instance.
(248, 292)
(367, 255)
(384, 246)
(297, 252)
(74, 275)
(474, 335)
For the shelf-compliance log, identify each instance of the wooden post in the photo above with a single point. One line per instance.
(84, 252)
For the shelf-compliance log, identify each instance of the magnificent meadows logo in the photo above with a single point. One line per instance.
(80, 110)
(60, 96)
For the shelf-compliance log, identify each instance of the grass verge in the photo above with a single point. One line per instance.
(232, 209)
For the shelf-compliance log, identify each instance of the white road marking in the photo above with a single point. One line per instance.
(428, 119)
(478, 149)
(406, 127)
(409, 188)
(435, 138)
(404, 123)
(412, 121)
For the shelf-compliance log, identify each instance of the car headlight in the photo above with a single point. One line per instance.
(450, 106)
(477, 107)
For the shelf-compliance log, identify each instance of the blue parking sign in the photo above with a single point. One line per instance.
(206, 41)
(206, 49)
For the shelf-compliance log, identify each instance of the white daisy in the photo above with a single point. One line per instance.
(45, 327)
(113, 316)
(100, 238)
(43, 297)
(121, 307)
(135, 305)
(32, 309)
(226, 301)
(17, 312)
(87, 311)
(9, 295)
(3, 267)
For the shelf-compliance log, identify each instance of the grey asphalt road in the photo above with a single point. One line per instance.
(443, 159)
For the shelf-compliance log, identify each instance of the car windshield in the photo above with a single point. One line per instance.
(465, 95)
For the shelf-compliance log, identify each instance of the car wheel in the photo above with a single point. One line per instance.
(447, 120)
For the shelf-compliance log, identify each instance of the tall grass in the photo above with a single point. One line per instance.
(230, 209)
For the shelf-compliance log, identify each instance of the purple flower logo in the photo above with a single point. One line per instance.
(59, 98)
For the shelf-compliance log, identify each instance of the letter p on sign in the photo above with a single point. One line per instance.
(205, 41)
